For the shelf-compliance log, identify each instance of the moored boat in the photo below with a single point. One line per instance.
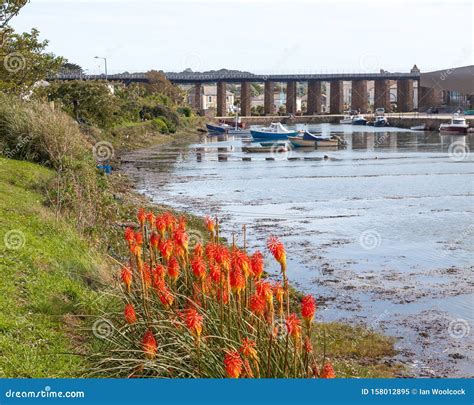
(347, 119)
(265, 149)
(223, 128)
(274, 131)
(359, 120)
(457, 125)
(381, 121)
(316, 141)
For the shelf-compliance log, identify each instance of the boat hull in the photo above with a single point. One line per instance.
(299, 142)
(451, 129)
(215, 129)
(256, 134)
(346, 121)
(359, 122)
(380, 124)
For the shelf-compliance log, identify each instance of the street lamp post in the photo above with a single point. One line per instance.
(105, 63)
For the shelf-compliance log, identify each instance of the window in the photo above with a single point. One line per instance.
(210, 98)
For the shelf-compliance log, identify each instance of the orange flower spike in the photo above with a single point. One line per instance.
(147, 275)
(293, 326)
(215, 272)
(181, 239)
(308, 308)
(141, 217)
(166, 248)
(256, 265)
(129, 235)
(150, 217)
(154, 240)
(211, 252)
(210, 225)
(158, 274)
(165, 295)
(257, 305)
(199, 267)
(279, 293)
(170, 221)
(160, 224)
(264, 290)
(198, 250)
(328, 371)
(173, 268)
(223, 257)
(182, 223)
(193, 321)
(149, 345)
(248, 349)
(278, 250)
(130, 315)
(138, 238)
(126, 276)
(237, 280)
(233, 364)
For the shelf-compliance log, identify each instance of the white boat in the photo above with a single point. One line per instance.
(381, 121)
(359, 120)
(422, 127)
(274, 131)
(457, 125)
(347, 119)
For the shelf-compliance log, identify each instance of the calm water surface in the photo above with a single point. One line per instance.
(381, 232)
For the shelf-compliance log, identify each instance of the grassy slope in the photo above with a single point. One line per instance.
(43, 286)
(47, 292)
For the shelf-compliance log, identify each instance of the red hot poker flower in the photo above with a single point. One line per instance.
(154, 240)
(279, 293)
(233, 364)
(138, 238)
(293, 326)
(141, 216)
(149, 345)
(173, 268)
(130, 315)
(193, 321)
(198, 251)
(210, 224)
(278, 250)
(199, 267)
(160, 224)
(308, 308)
(328, 371)
(237, 280)
(166, 248)
(264, 289)
(129, 235)
(256, 263)
(126, 277)
(257, 305)
(150, 217)
(248, 349)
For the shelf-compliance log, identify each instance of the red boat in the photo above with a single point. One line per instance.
(456, 126)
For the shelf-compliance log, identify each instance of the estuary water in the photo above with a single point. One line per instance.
(381, 232)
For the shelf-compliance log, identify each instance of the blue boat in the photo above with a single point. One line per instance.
(274, 131)
(218, 128)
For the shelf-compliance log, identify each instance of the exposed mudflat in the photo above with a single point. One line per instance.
(381, 232)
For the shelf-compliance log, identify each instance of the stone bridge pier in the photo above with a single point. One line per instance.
(336, 100)
(221, 99)
(382, 94)
(314, 97)
(405, 95)
(268, 98)
(291, 97)
(360, 98)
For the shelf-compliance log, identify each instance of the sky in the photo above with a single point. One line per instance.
(261, 36)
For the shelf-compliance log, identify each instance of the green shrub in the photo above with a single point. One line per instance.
(159, 124)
